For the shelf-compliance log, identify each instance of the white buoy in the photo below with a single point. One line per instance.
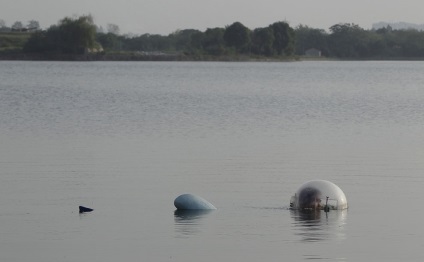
(192, 202)
(317, 195)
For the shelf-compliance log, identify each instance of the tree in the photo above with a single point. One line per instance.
(3, 27)
(140, 43)
(384, 30)
(182, 39)
(109, 41)
(196, 41)
(213, 41)
(113, 29)
(283, 38)
(99, 29)
(77, 34)
(238, 37)
(411, 42)
(37, 43)
(33, 25)
(70, 36)
(348, 40)
(307, 38)
(17, 26)
(262, 41)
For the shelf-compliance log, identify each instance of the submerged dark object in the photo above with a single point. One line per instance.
(84, 209)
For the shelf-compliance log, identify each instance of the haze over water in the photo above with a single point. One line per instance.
(127, 138)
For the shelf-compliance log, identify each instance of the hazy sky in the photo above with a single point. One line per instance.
(166, 16)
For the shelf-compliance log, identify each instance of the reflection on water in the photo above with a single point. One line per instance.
(188, 222)
(319, 225)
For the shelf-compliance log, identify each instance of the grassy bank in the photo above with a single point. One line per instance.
(13, 41)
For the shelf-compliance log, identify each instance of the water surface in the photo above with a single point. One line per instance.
(127, 138)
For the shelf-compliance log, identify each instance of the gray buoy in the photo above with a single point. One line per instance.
(84, 209)
(192, 202)
(319, 195)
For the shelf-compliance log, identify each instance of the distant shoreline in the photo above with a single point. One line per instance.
(178, 58)
(137, 57)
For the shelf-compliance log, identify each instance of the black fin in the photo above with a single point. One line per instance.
(84, 209)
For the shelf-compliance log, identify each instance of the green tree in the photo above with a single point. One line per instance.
(411, 42)
(36, 43)
(238, 37)
(262, 41)
(70, 36)
(17, 26)
(33, 25)
(196, 42)
(109, 41)
(377, 46)
(113, 29)
(160, 43)
(348, 40)
(182, 39)
(213, 41)
(307, 38)
(284, 38)
(77, 34)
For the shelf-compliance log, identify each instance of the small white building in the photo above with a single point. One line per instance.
(313, 52)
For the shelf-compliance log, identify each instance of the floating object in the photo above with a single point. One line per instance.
(84, 209)
(319, 195)
(192, 202)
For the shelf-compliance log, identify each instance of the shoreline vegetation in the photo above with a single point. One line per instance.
(137, 57)
(131, 57)
(79, 39)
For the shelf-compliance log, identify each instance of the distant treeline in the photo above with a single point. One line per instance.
(77, 36)
(353, 42)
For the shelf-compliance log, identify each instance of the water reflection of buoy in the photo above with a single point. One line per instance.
(317, 225)
(192, 202)
(189, 222)
(190, 214)
(319, 195)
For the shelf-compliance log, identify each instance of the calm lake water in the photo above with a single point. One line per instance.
(127, 138)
